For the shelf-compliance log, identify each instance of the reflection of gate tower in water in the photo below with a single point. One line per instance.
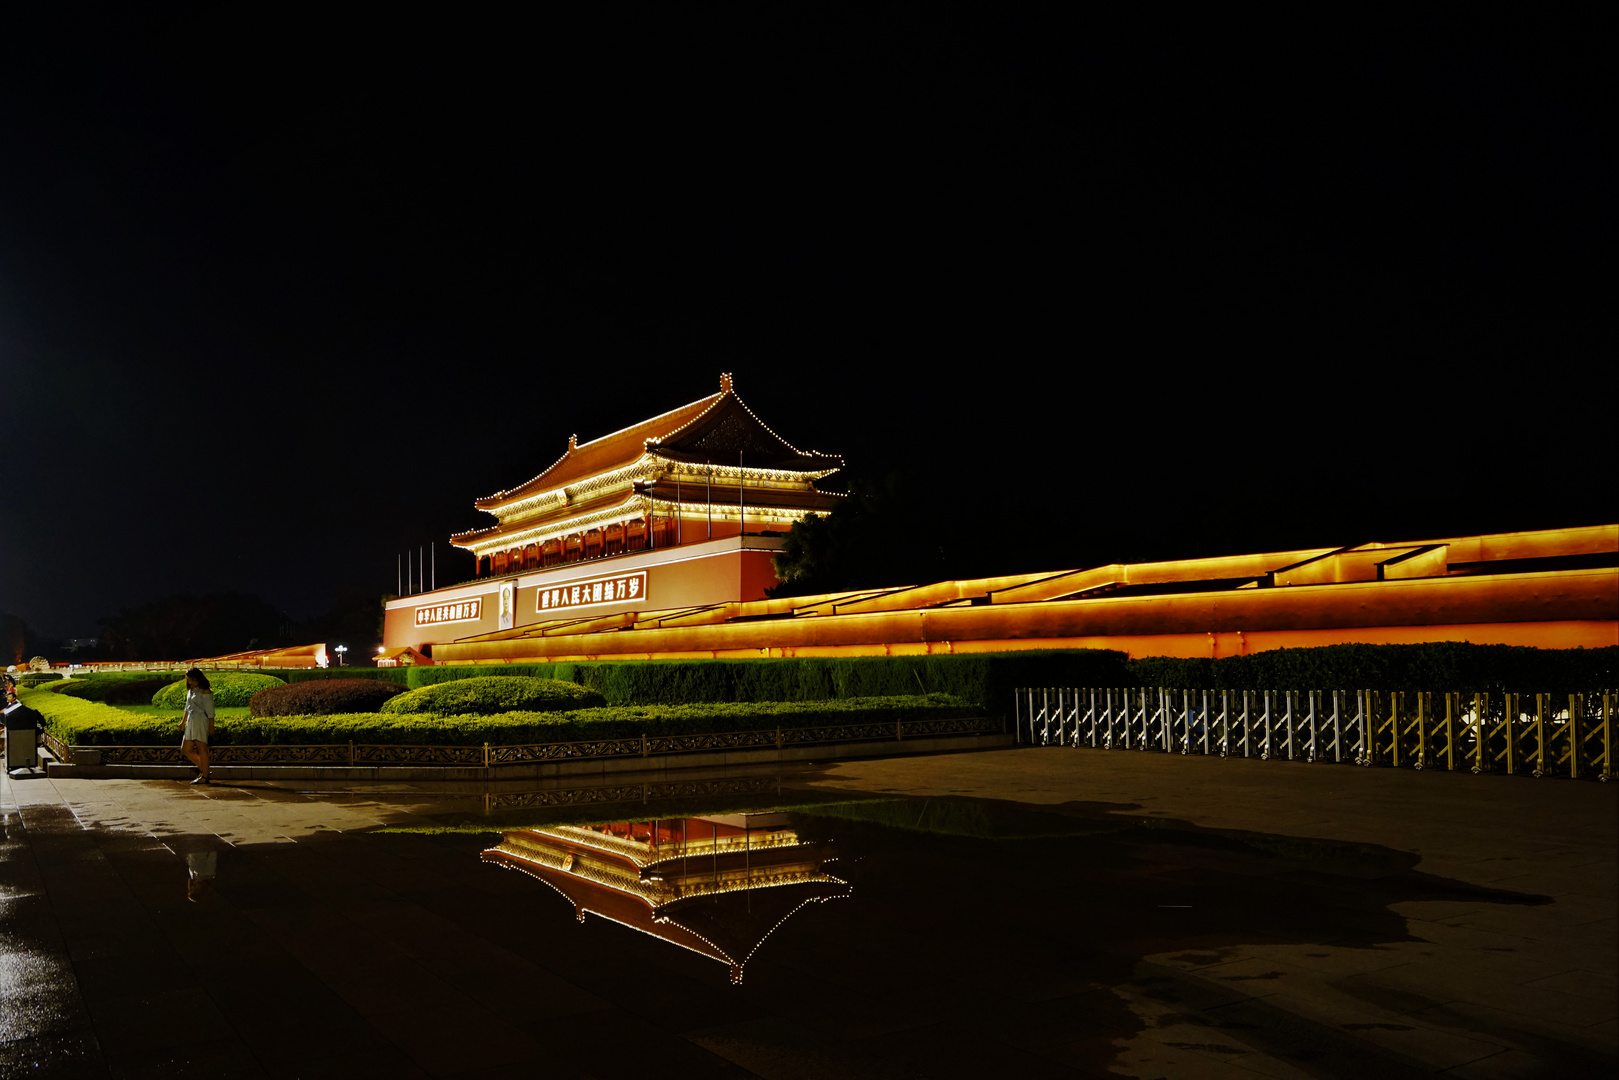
(718, 885)
(684, 510)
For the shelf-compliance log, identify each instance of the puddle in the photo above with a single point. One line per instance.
(717, 885)
(991, 914)
(793, 931)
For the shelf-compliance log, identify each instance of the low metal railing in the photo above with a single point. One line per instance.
(487, 755)
(1483, 732)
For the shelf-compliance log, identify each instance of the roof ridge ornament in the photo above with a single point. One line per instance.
(573, 442)
(727, 383)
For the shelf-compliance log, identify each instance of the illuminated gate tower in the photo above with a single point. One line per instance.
(683, 510)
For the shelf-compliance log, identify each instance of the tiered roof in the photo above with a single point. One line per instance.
(614, 475)
(709, 431)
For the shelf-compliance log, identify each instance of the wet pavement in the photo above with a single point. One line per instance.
(1038, 912)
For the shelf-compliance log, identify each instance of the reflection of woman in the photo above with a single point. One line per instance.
(199, 719)
(201, 869)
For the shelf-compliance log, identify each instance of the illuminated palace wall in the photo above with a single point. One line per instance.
(1553, 589)
(680, 511)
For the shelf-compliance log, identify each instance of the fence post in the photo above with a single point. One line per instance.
(1309, 702)
(1186, 722)
(1607, 738)
(1422, 729)
(1396, 700)
(1543, 705)
(1206, 718)
(1363, 707)
(1337, 729)
(1574, 704)
(1510, 701)
(1247, 726)
(1264, 749)
(1287, 718)
(1225, 722)
(1450, 730)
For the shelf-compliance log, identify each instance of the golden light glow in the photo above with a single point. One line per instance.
(1555, 608)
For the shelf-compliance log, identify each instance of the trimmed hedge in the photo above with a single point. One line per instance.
(986, 679)
(395, 675)
(230, 688)
(1440, 666)
(323, 698)
(67, 717)
(87, 723)
(34, 678)
(499, 694)
(116, 687)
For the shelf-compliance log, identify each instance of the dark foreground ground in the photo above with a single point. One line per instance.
(1028, 913)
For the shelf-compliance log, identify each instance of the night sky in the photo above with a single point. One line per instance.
(281, 296)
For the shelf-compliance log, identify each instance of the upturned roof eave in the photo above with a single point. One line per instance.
(809, 464)
(635, 441)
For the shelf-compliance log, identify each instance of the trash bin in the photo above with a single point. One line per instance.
(22, 737)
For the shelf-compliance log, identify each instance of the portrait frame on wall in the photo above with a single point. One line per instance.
(508, 604)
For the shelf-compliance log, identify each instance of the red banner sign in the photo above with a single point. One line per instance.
(607, 590)
(458, 611)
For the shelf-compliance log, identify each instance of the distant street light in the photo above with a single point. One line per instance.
(340, 650)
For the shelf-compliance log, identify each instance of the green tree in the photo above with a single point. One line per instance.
(874, 538)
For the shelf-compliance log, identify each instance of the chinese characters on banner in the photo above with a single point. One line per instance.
(596, 591)
(459, 611)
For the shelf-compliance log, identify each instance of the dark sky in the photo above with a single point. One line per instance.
(280, 296)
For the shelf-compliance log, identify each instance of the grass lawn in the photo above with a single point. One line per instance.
(89, 723)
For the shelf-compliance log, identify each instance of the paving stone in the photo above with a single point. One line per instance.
(327, 948)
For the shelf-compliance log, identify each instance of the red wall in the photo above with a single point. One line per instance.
(692, 582)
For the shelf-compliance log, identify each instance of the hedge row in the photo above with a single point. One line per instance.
(230, 688)
(86, 723)
(1437, 666)
(395, 675)
(116, 687)
(489, 696)
(34, 678)
(323, 697)
(987, 679)
(64, 716)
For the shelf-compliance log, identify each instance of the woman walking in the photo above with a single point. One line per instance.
(199, 719)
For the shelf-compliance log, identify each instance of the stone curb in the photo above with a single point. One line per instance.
(541, 770)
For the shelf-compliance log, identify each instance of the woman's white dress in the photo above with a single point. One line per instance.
(199, 714)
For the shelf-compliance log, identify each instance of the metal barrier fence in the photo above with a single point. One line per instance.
(486, 755)
(1538, 734)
